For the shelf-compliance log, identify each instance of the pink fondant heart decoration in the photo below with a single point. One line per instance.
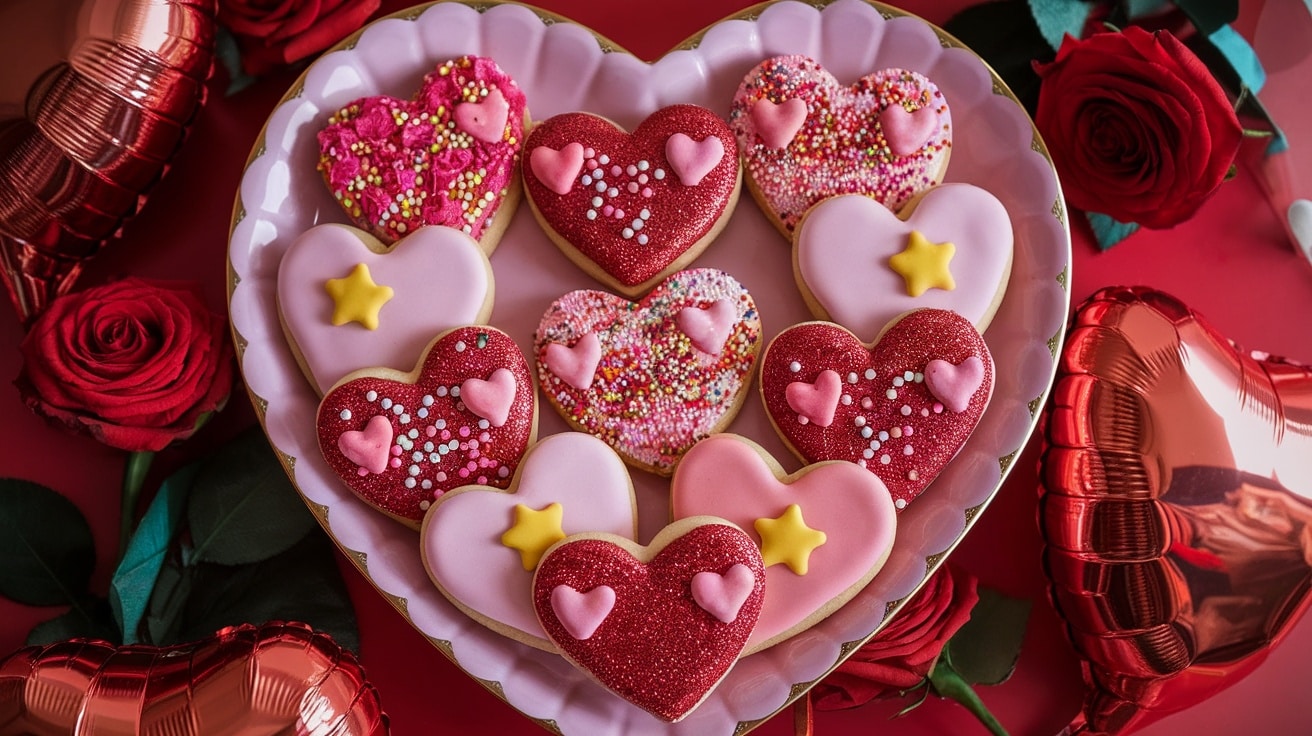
(369, 448)
(642, 205)
(439, 278)
(887, 418)
(805, 137)
(954, 385)
(654, 389)
(396, 165)
(476, 540)
(824, 531)
(435, 441)
(492, 397)
(723, 595)
(815, 401)
(656, 646)
(859, 264)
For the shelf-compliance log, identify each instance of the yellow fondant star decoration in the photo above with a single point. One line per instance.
(788, 539)
(356, 298)
(924, 265)
(534, 531)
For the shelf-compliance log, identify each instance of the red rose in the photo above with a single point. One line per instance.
(274, 33)
(135, 363)
(900, 656)
(1138, 128)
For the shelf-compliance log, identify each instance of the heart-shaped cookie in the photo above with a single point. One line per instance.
(632, 208)
(902, 408)
(824, 531)
(860, 265)
(659, 625)
(400, 440)
(446, 157)
(349, 302)
(805, 137)
(651, 378)
(481, 545)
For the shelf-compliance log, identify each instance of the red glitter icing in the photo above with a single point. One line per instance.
(397, 165)
(653, 394)
(678, 216)
(656, 648)
(467, 352)
(841, 148)
(906, 347)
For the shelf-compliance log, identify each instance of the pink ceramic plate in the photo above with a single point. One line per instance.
(564, 67)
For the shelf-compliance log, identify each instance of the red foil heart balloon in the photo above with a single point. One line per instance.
(277, 678)
(1176, 505)
(96, 98)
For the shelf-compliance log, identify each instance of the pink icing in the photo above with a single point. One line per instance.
(906, 132)
(723, 595)
(778, 123)
(691, 159)
(370, 447)
(709, 328)
(557, 169)
(816, 401)
(425, 302)
(845, 242)
(582, 613)
(576, 364)
(731, 477)
(485, 119)
(461, 538)
(490, 398)
(954, 385)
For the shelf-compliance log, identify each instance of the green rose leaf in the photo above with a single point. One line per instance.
(46, 545)
(243, 508)
(168, 602)
(90, 619)
(985, 650)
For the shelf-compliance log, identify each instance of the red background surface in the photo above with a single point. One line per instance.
(1231, 262)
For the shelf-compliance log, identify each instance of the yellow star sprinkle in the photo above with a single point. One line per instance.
(788, 539)
(357, 298)
(534, 531)
(924, 265)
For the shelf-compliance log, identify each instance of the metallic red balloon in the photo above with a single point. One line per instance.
(1176, 505)
(278, 678)
(97, 96)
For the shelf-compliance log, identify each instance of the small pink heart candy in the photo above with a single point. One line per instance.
(485, 119)
(778, 123)
(906, 131)
(490, 398)
(954, 384)
(368, 448)
(692, 160)
(708, 327)
(575, 365)
(557, 169)
(723, 595)
(817, 401)
(582, 613)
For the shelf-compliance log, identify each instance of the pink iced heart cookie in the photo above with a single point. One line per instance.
(860, 265)
(824, 531)
(481, 545)
(805, 137)
(651, 378)
(431, 439)
(448, 156)
(905, 406)
(659, 625)
(632, 208)
(349, 302)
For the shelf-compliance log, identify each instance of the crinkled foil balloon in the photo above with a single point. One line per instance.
(278, 678)
(1176, 505)
(95, 98)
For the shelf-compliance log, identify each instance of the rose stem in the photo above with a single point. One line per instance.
(948, 683)
(134, 476)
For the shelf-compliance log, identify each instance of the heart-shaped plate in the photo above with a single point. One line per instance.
(564, 67)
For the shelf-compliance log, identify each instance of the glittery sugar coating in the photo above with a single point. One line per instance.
(656, 648)
(397, 165)
(886, 420)
(841, 147)
(437, 442)
(628, 211)
(654, 394)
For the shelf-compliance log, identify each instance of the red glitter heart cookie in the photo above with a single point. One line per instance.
(901, 408)
(804, 136)
(632, 208)
(650, 378)
(446, 157)
(464, 416)
(660, 625)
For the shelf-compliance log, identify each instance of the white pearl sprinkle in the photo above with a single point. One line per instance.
(455, 391)
(410, 483)
(460, 346)
(643, 165)
(597, 201)
(414, 470)
(441, 391)
(443, 449)
(426, 485)
(874, 444)
(597, 174)
(885, 459)
(901, 502)
(483, 424)
(428, 447)
(627, 232)
(413, 434)
(345, 415)
(906, 410)
(371, 396)
(385, 403)
(417, 457)
(891, 393)
(642, 239)
(659, 174)
(428, 400)
(897, 381)
(919, 378)
(846, 400)
(909, 376)
(603, 159)
(794, 366)
(434, 457)
(601, 186)
(405, 418)
(883, 436)
(637, 224)
(867, 453)
(907, 450)
(645, 214)
(631, 170)
(859, 421)
(397, 409)
(867, 432)
(851, 378)
(587, 180)
(440, 424)
(591, 214)
(453, 445)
